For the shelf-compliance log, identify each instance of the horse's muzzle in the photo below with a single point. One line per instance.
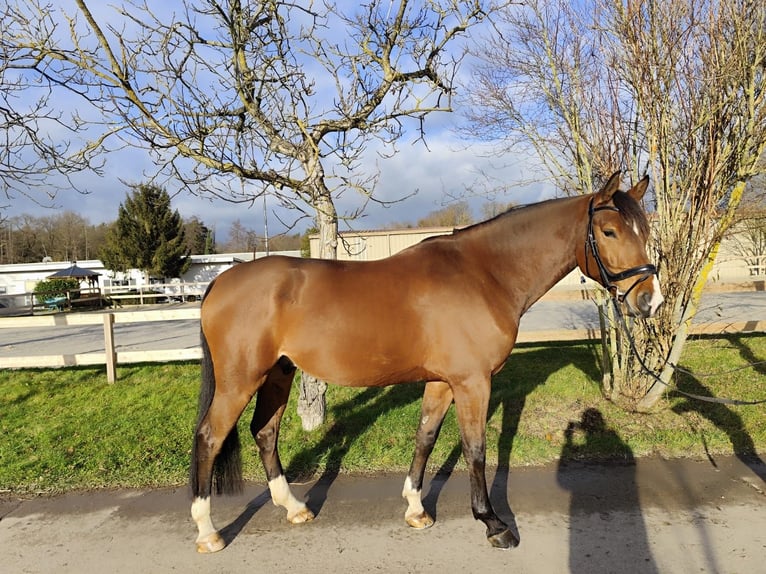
(649, 300)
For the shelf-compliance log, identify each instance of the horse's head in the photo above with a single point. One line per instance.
(614, 251)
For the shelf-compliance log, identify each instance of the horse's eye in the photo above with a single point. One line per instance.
(609, 233)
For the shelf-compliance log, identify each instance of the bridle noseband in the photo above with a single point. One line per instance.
(609, 279)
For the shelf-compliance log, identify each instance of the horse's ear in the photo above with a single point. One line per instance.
(637, 191)
(610, 188)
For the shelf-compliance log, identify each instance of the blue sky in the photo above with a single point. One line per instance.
(443, 171)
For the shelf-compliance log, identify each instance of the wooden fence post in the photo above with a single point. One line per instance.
(111, 355)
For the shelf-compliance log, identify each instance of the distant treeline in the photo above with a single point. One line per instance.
(67, 236)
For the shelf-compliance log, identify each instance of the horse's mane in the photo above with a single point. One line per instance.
(630, 209)
(510, 211)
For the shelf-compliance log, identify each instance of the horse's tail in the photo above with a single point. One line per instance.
(227, 468)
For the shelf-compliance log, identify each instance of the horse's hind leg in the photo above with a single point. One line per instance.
(269, 407)
(437, 399)
(216, 451)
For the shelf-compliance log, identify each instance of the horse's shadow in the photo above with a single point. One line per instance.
(523, 372)
(352, 418)
(232, 530)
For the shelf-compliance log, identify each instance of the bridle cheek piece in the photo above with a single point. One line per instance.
(609, 279)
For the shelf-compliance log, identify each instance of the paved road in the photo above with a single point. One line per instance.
(654, 516)
(543, 315)
(66, 339)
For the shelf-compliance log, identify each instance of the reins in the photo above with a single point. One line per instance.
(609, 279)
(656, 377)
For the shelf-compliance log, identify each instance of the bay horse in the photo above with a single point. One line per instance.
(445, 311)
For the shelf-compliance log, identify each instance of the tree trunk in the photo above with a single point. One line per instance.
(311, 401)
(658, 389)
(681, 332)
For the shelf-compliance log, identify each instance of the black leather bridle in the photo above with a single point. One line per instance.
(609, 279)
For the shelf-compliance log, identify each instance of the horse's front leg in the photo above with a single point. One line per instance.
(471, 404)
(436, 401)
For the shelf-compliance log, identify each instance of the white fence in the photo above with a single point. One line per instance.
(95, 297)
(152, 292)
(109, 357)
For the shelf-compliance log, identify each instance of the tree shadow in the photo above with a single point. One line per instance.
(723, 416)
(586, 505)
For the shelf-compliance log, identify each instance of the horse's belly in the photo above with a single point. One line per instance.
(359, 366)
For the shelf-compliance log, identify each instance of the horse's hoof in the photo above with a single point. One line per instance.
(301, 516)
(504, 539)
(212, 543)
(420, 521)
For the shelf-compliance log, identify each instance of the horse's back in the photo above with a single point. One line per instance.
(300, 300)
(294, 281)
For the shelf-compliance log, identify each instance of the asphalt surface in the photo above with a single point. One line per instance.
(648, 516)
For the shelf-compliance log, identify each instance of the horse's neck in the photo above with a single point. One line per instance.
(534, 247)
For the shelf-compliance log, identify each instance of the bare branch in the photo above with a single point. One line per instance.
(35, 133)
(261, 91)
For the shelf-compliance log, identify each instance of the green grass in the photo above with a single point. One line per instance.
(69, 429)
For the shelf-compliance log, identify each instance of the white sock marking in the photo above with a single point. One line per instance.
(281, 495)
(414, 502)
(200, 512)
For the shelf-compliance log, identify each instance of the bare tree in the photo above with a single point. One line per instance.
(749, 240)
(453, 215)
(35, 133)
(671, 88)
(284, 95)
(65, 236)
(748, 234)
(241, 239)
(494, 208)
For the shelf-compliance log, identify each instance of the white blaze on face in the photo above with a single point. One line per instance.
(657, 298)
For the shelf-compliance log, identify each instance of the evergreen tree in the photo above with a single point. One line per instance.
(199, 238)
(147, 235)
